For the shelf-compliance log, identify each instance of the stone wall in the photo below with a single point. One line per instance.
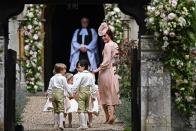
(155, 89)
(1, 82)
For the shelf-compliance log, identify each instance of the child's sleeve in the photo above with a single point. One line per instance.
(49, 91)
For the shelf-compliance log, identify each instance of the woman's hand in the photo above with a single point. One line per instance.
(95, 71)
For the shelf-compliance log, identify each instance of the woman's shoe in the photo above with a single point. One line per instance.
(112, 120)
(111, 115)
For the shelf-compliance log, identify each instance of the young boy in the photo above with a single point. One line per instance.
(57, 85)
(83, 83)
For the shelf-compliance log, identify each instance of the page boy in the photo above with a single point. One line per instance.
(83, 83)
(57, 85)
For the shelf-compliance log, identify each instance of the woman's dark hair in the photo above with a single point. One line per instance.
(110, 33)
(84, 63)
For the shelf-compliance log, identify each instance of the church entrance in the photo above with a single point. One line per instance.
(61, 22)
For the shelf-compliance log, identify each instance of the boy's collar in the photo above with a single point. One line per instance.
(85, 71)
(58, 74)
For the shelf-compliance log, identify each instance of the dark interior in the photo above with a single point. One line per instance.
(61, 22)
(65, 21)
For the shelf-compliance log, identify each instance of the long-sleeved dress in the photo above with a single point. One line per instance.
(107, 81)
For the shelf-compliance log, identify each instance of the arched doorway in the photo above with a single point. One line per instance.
(61, 22)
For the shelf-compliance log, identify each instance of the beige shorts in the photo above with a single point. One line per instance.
(58, 100)
(83, 99)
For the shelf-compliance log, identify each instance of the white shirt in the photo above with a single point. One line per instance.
(75, 77)
(85, 79)
(58, 81)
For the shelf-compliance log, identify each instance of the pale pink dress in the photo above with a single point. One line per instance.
(107, 81)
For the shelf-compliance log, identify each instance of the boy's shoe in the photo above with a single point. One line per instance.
(83, 122)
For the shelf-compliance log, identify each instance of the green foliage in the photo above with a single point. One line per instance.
(173, 22)
(128, 129)
(32, 63)
(123, 111)
(113, 18)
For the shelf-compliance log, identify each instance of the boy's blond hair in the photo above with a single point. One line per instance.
(59, 67)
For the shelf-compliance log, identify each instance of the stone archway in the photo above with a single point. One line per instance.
(4, 41)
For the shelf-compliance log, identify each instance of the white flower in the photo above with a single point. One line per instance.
(186, 56)
(172, 34)
(173, 2)
(30, 14)
(165, 44)
(35, 87)
(162, 15)
(150, 8)
(157, 13)
(116, 9)
(185, 81)
(31, 52)
(165, 38)
(166, 32)
(26, 47)
(39, 45)
(29, 27)
(171, 16)
(160, 6)
(39, 68)
(27, 40)
(35, 22)
(182, 21)
(112, 28)
(31, 5)
(112, 13)
(35, 37)
(151, 20)
(189, 98)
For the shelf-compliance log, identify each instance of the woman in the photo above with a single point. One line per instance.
(107, 82)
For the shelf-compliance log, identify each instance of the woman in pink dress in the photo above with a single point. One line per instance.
(107, 81)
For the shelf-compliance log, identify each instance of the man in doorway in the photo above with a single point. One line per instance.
(84, 46)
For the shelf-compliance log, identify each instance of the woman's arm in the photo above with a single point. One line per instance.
(106, 57)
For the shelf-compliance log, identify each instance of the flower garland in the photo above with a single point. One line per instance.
(113, 18)
(174, 27)
(33, 47)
